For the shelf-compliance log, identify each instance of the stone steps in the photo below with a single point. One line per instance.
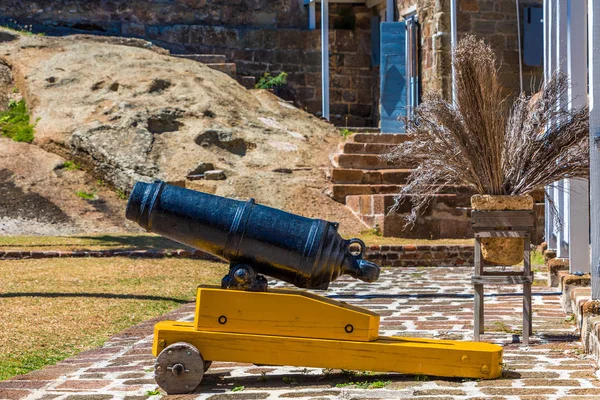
(367, 162)
(443, 217)
(341, 191)
(370, 177)
(367, 184)
(380, 138)
(366, 148)
(227, 68)
(217, 62)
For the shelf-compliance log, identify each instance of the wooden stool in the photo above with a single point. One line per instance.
(514, 224)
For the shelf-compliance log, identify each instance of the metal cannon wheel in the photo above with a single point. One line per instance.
(179, 368)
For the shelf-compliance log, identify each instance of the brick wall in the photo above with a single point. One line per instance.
(421, 255)
(384, 255)
(258, 35)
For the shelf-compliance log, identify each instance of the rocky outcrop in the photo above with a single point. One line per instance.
(128, 113)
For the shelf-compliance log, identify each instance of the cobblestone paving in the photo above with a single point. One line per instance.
(417, 302)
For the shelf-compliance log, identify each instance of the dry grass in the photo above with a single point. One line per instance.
(486, 144)
(54, 308)
(89, 242)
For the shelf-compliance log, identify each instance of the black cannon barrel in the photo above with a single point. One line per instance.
(308, 253)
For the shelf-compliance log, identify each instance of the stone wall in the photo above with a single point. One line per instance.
(496, 22)
(434, 21)
(492, 20)
(109, 14)
(258, 35)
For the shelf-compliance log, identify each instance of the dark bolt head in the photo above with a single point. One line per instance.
(242, 275)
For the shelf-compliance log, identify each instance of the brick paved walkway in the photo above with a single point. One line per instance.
(432, 302)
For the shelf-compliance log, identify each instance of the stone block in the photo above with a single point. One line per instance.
(505, 7)
(549, 254)
(133, 29)
(335, 96)
(266, 56)
(486, 5)
(344, 41)
(361, 110)
(340, 175)
(507, 27)
(468, 5)
(338, 109)
(484, 27)
(264, 19)
(349, 96)
(555, 265)
(363, 21)
(253, 39)
(289, 39)
(176, 34)
(357, 60)
(340, 81)
(465, 23)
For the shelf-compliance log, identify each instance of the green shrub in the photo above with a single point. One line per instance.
(345, 132)
(71, 165)
(15, 122)
(270, 82)
(86, 195)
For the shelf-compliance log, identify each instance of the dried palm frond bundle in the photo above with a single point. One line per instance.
(487, 145)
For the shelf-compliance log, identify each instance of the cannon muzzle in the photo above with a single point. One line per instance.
(308, 253)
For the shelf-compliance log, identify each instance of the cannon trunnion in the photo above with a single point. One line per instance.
(254, 324)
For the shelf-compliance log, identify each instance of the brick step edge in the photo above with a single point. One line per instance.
(385, 255)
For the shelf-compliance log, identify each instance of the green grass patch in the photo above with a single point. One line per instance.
(71, 165)
(86, 195)
(26, 30)
(537, 258)
(121, 194)
(365, 385)
(15, 122)
(345, 132)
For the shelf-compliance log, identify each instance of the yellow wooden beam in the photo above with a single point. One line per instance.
(282, 313)
(394, 354)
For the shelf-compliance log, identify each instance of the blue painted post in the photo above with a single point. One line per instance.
(549, 67)
(325, 58)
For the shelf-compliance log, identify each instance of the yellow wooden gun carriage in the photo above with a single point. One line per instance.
(244, 321)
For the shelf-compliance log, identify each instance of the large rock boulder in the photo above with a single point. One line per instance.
(128, 112)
